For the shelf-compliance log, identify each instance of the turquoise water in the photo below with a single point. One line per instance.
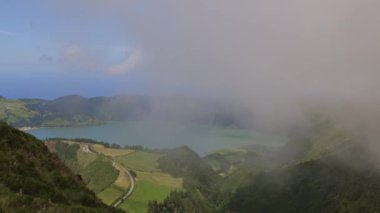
(200, 138)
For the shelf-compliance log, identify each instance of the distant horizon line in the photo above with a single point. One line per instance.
(107, 96)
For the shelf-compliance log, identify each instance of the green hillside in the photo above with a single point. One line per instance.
(99, 166)
(16, 112)
(321, 169)
(200, 183)
(32, 179)
(74, 110)
(344, 181)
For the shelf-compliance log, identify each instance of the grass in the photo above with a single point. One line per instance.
(109, 183)
(13, 110)
(144, 192)
(85, 158)
(151, 184)
(110, 194)
(100, 174)
(110, 151)
(140, 161)
(160, 178)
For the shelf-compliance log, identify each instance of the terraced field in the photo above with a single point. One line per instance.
(109, 151)
(140, 161)
(151, 183)
(144, 192)
(101, 168)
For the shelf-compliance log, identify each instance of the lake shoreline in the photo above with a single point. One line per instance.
(201, 138)
(27, 128)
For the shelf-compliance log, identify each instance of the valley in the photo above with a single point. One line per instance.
(314, 166)
(124, 178)
(216, 106)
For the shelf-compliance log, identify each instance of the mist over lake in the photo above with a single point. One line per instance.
(201, 138)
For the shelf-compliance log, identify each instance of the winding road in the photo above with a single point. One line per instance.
(124, 196)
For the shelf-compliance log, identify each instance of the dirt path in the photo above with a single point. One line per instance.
(124, 173)
(124, 177)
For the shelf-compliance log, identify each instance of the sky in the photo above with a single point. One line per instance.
(267, 53)
(45, 55)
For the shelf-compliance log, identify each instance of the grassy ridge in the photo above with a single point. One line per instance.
(99, 174)
(146, 191)
(85, 158)
(151, 183)
(140, 161)
(110, 194)
(15, 112)
(33, 179)
(104, 178)
(74, 110)
(110, 151)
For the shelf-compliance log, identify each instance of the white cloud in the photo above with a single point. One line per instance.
(73, 54)
(130, 63)
(76, 56)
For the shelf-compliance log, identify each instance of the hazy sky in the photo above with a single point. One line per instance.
(270, 51)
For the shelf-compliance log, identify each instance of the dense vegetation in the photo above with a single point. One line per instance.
(199, 182)
(32, 179)
(343, 181)
(97, 164)
(97, 174)
(320, 169)
(75, 110)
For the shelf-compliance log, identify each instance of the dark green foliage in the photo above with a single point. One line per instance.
(346, 180)
(67, 152)
(223, 164)
(176, 202)
(184, 162)
(199, 181)
(33, 179)
(321, 169)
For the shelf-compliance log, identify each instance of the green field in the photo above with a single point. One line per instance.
(144, 192)
(110, 151)
(14, 111)
(85, 158)
(159, 178)
(100, 174)
(140, 161)
(103, 177)
(149, 185)
(110, 194)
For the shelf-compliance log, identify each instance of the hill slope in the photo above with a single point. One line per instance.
(74, 110)
(346, 181)
(324, 169)
(33, 179)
